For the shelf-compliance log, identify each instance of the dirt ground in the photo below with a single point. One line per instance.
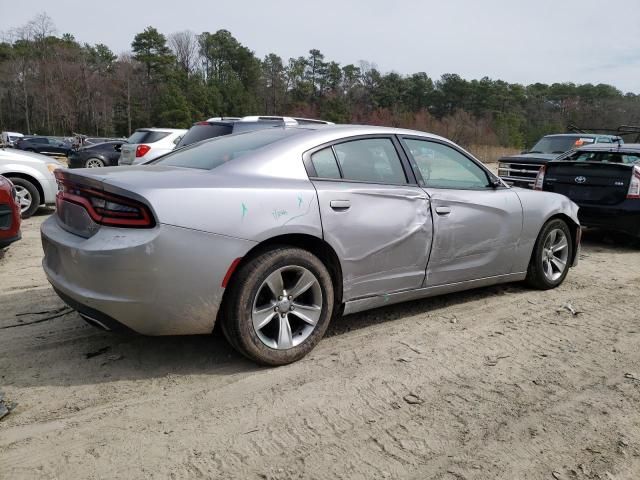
(499, 382)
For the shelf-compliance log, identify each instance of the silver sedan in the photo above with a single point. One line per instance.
(275, 232)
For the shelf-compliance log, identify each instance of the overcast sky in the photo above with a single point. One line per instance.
(525, 41)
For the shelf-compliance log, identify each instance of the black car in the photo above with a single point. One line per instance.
(44, 145)
(521, 170)
(216, 127)
(604, 180)
(99, 155)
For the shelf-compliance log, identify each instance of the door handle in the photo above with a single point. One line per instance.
(340, 204)
(443, 210)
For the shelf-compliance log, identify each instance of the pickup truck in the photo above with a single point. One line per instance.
(521, 170)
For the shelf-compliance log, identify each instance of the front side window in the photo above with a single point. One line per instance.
(372, 160)
(444, 167)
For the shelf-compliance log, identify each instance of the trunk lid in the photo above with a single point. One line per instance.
(589, 183)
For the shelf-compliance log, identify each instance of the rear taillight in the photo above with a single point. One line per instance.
(540, 178)
(141, 150)
(634, 185)
(103, 208)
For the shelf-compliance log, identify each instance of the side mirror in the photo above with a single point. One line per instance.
(495, 182)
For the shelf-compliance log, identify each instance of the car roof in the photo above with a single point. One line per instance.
(582, 135)
(159, 129)
(611, 147)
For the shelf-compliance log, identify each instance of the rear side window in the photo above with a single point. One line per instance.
(39, 140)
(371, 160)
(198, 133)
(212, 154)
(325, 164)
(146, 136)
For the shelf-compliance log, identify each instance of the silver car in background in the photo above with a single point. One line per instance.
(32, 175)
(274, 232)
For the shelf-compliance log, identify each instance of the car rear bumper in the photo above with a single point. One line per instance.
(161, 281)
(623, 217)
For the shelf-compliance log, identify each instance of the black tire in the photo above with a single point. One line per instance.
(247, 284)
(536, 277)
(33, 191)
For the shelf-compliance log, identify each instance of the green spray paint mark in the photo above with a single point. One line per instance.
(244, 210)
(299, 202)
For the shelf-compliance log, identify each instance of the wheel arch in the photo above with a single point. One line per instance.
(29, 178)
(574, 228)
(313, 244)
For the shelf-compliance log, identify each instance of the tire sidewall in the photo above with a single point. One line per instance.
(536, 261)
(247, 339)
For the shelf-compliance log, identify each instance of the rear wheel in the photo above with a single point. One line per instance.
(551, 256)
(28, 196)
(94, 163)
(279, 306)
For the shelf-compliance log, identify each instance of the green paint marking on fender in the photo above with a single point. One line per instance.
(244, 210)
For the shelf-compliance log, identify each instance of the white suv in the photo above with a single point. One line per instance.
(148, 143)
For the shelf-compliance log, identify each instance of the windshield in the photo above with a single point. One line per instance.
(211, 154)
(559, 144)
(604, 157)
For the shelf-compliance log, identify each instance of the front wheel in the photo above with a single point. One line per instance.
(279, 306)
(551, 256)
(28, 196)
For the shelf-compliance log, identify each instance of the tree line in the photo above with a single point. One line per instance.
(52, 84)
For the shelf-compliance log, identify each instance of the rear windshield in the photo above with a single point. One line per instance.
(212, 154)
(604, 157)
(146, 136)
(203, 132)
(559, 144)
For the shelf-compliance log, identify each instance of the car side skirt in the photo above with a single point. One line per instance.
(362, 304)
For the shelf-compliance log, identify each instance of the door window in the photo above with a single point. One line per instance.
(444, 167)
(373, 160)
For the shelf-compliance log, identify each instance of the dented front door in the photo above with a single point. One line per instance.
(476, 234)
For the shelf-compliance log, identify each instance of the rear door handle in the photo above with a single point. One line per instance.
(443, 210)
(340, 204)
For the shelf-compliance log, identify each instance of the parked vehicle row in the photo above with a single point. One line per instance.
(603, 180)
(306, 222)
(521, 170)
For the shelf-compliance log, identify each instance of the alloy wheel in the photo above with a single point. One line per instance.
(24, 198)
(94, 163)
(287, 307)
(555, 254)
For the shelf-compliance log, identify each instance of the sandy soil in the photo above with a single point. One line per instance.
(499, 382)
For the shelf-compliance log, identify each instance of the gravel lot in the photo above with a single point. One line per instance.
(499, 382)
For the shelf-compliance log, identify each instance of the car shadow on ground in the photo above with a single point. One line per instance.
(66, 351)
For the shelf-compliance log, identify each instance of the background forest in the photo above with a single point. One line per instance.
(52, 84)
